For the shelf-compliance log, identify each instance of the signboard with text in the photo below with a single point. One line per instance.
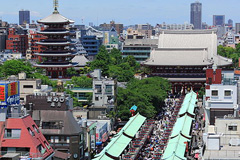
(9, 93)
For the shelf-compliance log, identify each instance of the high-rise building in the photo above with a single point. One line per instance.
(230, 23)
(237, 28)
(17, 41)
(196, 15)
(24, 17)
(218, 20)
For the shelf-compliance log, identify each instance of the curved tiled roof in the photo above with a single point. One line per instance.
(55, 18)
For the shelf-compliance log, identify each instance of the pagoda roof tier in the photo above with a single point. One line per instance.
(53, 43)
(55, 54)
(53, 32)
(56, 65)
(55, 51)
(54, 19)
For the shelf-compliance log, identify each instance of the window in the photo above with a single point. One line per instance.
(30, 132)
(98, 88)
(41, 149)
(12, 133)
(108, 89)
(214, 92)
(96, 98)
(56, 139)
(232, 128)
(227, 93)
(68, 140)
(47, 145)
(52, 139)
(35, 128)
(27, 86)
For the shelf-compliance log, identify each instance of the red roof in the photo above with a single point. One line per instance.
(27, 140)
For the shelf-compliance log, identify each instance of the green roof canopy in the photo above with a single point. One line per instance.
(189, 104)
(181, 131)
(120, 141)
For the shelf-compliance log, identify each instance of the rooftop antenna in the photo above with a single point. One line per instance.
(55, 6)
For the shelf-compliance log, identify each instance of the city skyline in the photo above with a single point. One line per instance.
(126, 12)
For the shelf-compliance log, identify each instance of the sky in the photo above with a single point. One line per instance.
(121, 11)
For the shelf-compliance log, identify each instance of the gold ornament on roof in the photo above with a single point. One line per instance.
(55, 6)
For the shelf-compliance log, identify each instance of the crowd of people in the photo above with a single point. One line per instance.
(155, 146)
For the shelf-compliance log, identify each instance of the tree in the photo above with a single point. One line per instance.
(148, 94)
(102, 61)
(71, 71)
(115, 57)
(13, 67)
(113, 65)
(80, 82)
(230, 52)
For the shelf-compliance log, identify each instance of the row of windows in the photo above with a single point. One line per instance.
(16, 133)
(227, 93)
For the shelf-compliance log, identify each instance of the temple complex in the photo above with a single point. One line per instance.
(183, 56)
(57, 57)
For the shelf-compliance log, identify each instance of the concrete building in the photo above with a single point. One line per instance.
(230, 23)
(24, 17)
(3, 37)
(140, 49)
(17, 41)
(117, 26)
(111, 39)
(91, 44)
(196, 15)
(165, 26)
(223, 140)
(143, 26)
(218, 20)
(236, 39)
(52, 113)
(82, 94)
(221, 95)
(19, 134)
(104, 96)
(9, 55)
(237, 28)
(139, 34)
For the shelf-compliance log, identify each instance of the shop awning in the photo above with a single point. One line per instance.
(120, 141)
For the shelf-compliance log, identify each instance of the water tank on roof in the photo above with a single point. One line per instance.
(22, 76)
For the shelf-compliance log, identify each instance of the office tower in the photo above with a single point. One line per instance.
(237, 28)
(230, 22)
(196, 15)
(24, 17)
(218, 20)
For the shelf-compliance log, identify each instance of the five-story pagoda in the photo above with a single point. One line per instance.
(57, 57)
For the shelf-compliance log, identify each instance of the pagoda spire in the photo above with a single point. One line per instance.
(55, 6)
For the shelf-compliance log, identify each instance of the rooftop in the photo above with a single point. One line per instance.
(55, 18)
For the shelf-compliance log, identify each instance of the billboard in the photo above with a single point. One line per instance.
(9, 93)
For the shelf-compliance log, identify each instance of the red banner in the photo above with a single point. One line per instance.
(2, 93)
